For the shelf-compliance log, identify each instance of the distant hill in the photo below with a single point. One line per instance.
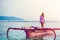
(10, 18)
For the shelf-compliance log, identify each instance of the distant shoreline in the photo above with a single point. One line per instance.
(23, 21)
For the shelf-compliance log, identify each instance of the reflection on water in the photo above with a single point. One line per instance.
(39, 38)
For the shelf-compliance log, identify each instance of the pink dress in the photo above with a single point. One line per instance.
(42, 20)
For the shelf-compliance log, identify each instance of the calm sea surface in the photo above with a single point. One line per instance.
(20, 34)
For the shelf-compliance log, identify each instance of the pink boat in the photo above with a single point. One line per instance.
(37, 32)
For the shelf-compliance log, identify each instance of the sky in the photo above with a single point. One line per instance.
(31, 9)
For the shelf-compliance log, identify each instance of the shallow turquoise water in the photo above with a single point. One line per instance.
(20, 34)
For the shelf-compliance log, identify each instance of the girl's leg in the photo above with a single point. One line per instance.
(42, 25)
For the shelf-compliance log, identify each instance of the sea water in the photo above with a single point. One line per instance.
(20, 34)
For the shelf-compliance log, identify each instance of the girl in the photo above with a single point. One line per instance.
(42, 20)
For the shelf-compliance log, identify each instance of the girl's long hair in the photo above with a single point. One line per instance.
(42, 14)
